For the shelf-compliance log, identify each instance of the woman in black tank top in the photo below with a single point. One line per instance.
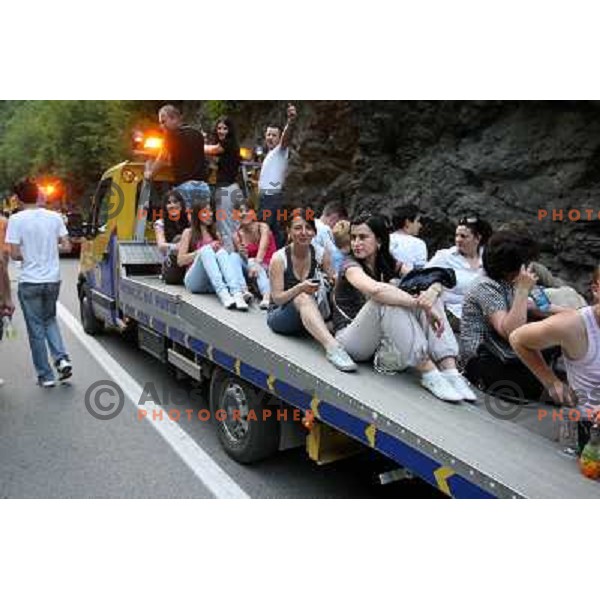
(292, 275)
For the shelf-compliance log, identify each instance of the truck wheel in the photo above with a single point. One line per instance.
(244, 438)
(91, 324)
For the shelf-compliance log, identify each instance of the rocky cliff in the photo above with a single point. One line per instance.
(504, 161)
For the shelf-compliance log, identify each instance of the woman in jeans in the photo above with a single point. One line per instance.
(208, 265)
(254, 247)
(227, 152)
(294, 308)
(368, 307)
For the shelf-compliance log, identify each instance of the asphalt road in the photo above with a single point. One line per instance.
(51, 447)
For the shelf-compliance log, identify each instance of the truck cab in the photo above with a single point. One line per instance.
(115, 213)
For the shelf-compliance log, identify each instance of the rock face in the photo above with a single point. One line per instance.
(504, 161)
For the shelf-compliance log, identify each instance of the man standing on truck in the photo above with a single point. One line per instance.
(273, 173)
(183, 150)
(34, 236)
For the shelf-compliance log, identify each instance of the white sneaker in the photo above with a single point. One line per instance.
(226, 299)
(240, 303)
(264, 304)
(47, 383)
(460, 384)
(64, 368)
(340, 359)
(440, 387)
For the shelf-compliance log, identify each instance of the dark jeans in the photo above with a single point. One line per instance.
(285, 319)
(273, 203)
(38, 302)
(505, 379)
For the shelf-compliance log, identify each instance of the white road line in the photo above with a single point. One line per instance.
(203, 466)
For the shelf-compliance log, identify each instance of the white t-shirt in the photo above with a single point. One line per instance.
(323, 240)
(451, 258)
(37, 231)
(408, 249)
(274, 170)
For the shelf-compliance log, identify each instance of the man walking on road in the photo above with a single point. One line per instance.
(273, 173)
(34, 235)
(6, 304)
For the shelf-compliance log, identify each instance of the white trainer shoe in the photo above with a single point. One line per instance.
(226, 299)
(240, 303)
(440, 387)
(461, 385)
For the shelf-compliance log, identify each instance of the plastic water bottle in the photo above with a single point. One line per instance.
(589, 462)
(540, 298)
(10, 333)
(568, 435)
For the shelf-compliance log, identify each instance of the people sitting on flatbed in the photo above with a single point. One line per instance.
(254, 246)
(296, 277)
(367, 307)
(333, 212)
(577, 333)
(495, 306)
(406, 246)
(209, 269)
(172, 223)
(341, 237)
(465, 257)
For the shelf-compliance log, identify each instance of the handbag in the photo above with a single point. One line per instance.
(172, 273)
(323, 293)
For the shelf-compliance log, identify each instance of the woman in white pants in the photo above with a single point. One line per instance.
(368, 308)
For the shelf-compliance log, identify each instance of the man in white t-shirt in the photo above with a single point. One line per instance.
(273, 173)
(405, 246)
(34, 235)
(333, 212)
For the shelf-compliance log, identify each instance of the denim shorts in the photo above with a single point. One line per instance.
(285, 319)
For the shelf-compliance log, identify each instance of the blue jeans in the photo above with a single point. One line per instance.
(38, 302)
(225, 199)
(285, 319)
(193, 191)
(273, 203)
(239, 269)
(210, 272)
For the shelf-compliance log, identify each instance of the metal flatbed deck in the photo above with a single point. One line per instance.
(463, 449)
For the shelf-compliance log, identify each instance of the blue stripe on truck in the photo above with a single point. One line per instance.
(410, 458)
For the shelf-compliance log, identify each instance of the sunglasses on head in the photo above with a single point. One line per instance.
(468, 221)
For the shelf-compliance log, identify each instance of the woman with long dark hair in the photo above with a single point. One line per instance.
(208, 265)
(226, 149)
(172, 223)
(368, 308)
(254, 247)
(293, 277)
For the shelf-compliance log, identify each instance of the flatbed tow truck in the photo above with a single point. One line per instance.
(465, 451)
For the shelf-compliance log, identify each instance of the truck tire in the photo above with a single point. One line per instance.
(91, 324)
(245, 440)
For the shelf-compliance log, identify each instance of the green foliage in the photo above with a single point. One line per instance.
(215, 108)
(74, 140)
